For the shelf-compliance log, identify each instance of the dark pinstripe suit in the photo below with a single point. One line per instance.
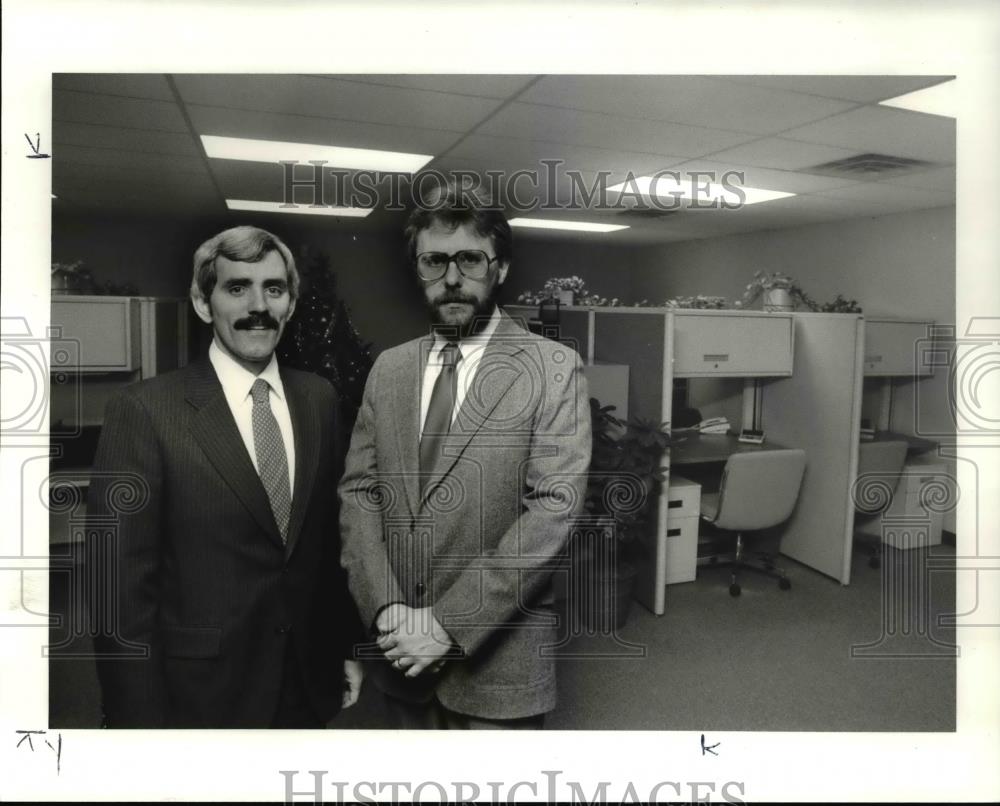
(204, 579)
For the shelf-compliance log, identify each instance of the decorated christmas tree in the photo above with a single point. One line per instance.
(320, 337)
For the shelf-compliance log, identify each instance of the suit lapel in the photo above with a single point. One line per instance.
(307, 428)
(214, 428)
(406, 415)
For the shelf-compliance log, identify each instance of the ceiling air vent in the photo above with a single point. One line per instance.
(861, 166)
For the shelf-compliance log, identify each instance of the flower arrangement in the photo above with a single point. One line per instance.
(574, 284)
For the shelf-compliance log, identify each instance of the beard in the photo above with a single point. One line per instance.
(468, 321)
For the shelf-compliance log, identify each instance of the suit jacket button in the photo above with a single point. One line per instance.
(420, 589)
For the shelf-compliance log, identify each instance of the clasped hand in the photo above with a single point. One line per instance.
(412, 639)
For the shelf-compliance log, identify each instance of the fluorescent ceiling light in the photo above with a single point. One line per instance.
(300, 209)
(697, 189)
(937, 100)
(359, 159)
(575, 226)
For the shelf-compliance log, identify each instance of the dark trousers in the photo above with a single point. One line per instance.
(432, 715)
(294, 709)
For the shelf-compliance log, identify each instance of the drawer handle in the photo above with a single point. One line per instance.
(673, 532)
(715, 357)
(873, 359)
(675, 504)
(926, 479)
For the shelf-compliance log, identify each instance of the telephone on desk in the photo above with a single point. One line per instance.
(712, 425)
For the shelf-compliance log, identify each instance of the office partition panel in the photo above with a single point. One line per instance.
(819, 409)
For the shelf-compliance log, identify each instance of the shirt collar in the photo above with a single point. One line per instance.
(236, 380)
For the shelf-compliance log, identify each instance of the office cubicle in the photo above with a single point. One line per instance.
(802, 385)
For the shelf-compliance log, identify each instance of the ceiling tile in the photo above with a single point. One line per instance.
(886, 131)
(940, 179)
(786, 155)
(320, 131)
(113, 137)
(691, 100)
(117, 157)
(530, 153)
(484, 86)
(133, 85)
(897, 197)
(341, 100)
(551, 124)
(112, 110)
(763, 178)
(862, 89)
(153, 179)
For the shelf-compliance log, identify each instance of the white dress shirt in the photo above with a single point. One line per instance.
(236, 385)
(471, 352)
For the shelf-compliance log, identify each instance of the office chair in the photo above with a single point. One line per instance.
(758, 490)
(880, 466)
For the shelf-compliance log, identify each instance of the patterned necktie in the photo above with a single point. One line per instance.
(272, 462)
(438, 421)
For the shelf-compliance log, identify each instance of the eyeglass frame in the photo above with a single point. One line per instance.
(453, 258)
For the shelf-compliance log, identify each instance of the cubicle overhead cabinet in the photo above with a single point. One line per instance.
(892, 347)
(105, 328)
(732, 344)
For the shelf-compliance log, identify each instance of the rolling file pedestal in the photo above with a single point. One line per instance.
(681, 549)
(912, 519)
(671, 552)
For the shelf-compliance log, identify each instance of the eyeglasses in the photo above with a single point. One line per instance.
(471, 263)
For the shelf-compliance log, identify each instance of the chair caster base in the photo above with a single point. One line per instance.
(734, 590)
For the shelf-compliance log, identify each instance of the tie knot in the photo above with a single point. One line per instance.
(259, 390)
(449, 354)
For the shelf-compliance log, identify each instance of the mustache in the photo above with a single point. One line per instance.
(453, 297)
(256, 320)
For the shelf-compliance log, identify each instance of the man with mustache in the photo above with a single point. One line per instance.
(222, 603)
(468, 460)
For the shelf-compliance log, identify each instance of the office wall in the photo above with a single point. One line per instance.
(153, 254)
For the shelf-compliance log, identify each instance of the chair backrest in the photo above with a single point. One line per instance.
(759, 489)
(880, 464)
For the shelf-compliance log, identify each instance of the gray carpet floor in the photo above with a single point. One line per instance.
(769, 660)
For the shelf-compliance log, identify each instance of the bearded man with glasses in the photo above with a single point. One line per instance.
(468, 461)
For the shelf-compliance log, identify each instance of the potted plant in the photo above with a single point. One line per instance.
(626, 475)
(565, 289)
(779, 291)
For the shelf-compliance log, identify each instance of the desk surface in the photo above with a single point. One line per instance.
(692, 448)
(916, 445)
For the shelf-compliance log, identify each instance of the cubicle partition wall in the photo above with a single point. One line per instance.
(818, 408)
(575, 325)
(637, 337)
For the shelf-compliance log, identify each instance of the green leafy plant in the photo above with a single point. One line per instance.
(840, 305)
(701, 301)
(763, 282)
(626, 471)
